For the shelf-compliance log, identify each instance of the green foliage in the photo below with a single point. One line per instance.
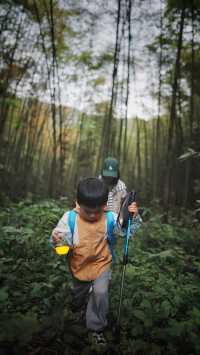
(160, 310)
(19, 327)
(162, 289)
(99, 81)
(190, 153)
(102, 60)
(85, 58)
(179, 4)
(25, 268)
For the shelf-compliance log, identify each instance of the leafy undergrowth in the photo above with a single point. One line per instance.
(160, 310)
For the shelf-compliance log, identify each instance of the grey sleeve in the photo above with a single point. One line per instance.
(64, 229)
(135, 225)
(124, 192)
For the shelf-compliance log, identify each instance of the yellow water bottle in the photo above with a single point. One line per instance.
(62, 249)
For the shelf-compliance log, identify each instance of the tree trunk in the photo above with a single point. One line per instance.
(128, 82)
(187, 183)
(107, 140)
(157, 174)
(172, 141)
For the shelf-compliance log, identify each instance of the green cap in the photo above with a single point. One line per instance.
(110, 167)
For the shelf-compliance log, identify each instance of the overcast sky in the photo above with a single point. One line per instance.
(96, 28)
(99, 38)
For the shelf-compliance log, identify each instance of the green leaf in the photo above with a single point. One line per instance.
(190, 153)
(11, 230)
(146, 304)
(36, 291)
(3, 294)
(139, 314)
(163, 254)
(165, 308)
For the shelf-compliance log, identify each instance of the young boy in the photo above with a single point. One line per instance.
(90, 257)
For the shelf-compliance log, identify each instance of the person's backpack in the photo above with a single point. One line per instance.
(110, 225)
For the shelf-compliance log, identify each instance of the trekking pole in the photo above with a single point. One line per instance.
(125, 262)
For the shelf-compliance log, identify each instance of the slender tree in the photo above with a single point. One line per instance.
(173, 116)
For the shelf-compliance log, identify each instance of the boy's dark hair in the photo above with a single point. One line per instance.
(92, 192)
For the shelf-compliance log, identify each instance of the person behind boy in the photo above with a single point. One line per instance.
(90, 256)
(117, 188)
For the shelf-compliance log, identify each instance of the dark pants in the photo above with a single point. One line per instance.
(93, 294)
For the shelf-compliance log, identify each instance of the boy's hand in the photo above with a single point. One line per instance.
(56, 236)
(133, 208)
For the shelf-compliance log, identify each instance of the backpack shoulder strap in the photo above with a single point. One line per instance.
(110, 223)
(71, 221)
(111, 238)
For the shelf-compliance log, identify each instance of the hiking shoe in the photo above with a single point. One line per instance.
(98, 338)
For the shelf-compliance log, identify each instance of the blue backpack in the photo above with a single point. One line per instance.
(110, 225)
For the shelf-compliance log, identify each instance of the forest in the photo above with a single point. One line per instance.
(81, 81)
